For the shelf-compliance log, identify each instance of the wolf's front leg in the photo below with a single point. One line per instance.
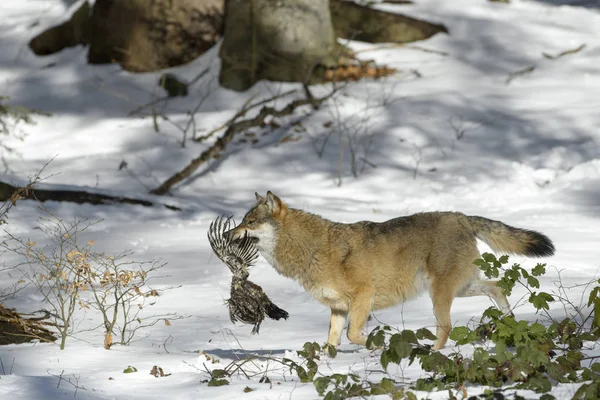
(336, 326)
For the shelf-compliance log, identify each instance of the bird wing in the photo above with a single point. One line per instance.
(238, 255)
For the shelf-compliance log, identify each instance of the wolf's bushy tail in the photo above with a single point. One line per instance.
(508, 239)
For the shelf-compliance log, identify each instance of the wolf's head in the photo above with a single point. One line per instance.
(262, 221)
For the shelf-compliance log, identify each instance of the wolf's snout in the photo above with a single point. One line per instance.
(234, 235)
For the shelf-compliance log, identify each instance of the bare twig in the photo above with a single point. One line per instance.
(165, 343)
(233, 129)
(166, 98)
(68, 380)
(519, 73)
(418, 157)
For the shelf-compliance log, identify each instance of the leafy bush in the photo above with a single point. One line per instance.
(525, 355)
(508, 354)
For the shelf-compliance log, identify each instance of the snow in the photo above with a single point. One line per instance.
(446, 133)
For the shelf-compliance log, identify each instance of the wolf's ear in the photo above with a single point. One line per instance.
(259, 198)
(276, 205)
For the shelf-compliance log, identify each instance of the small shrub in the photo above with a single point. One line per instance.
(71, 276)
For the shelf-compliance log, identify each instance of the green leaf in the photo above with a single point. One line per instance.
(500, 348)
(409, 336)
(388, 385)
(248, 389)
(492, 313)
(506, 285)
(425, 333)
(384, 359)
(321, 384)
(588, 391)
(481, 263)
(537, 330)
(376, 338)
(331, 350)
(433, 362)
(594, 294)
(402, 349)
(503, 259)
(513, 274)
(597, 312)
(130, 370)
(312, 370)
(488, 257)
(539, 270)
(540, 384)
(410, 396)
(533, 282)
(302, 374)
(310, 350)
(556, 371)
(460, 334)
(541, 300)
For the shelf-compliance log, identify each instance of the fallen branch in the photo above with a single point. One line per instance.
(233, 129)
(12, 193)
(14, 328)
(247, 107)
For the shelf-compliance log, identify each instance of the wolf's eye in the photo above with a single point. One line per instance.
(250, 222)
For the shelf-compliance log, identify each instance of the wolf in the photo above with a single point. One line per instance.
(354, 268)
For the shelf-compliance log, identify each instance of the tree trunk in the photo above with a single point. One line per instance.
(279, 40)
(274, 40)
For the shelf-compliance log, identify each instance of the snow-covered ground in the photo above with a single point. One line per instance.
(446, 133)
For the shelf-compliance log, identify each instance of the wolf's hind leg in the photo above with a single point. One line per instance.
(487, 288)
(442, 302)
(360, 307)
(336, 326)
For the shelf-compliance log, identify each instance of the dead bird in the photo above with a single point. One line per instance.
(248, 303)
